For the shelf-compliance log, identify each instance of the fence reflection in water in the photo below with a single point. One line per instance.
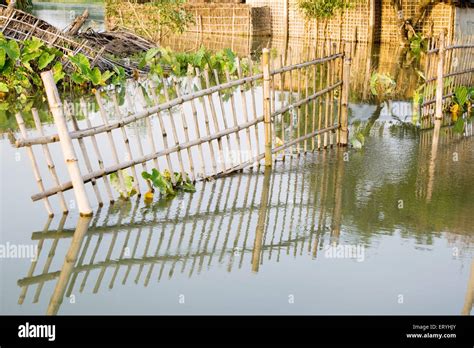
(246, 221)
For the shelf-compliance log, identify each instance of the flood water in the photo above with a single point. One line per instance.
(381, 230)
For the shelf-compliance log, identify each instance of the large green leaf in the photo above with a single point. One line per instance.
(3, 87)
(12, 50)
(2, 58)
(461, 94)
(95, 76)
(44, 60)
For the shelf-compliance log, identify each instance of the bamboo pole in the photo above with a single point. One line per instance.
(186, 133)
(149, 130)
(210, 100)
(164, 133)
(49, 159)
(206, 121)
(85, 155)
(196, 126)
(439, 79)
(327, 109)
(267, 108)
(253, 104)
(34, 163)
(97, 152)
(66, 143)
(244, 107)
(346, 74)
(110, 138)
(127, 143)
(234, 118)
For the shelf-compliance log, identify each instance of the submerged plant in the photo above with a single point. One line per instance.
(128, 182)
(167, 183)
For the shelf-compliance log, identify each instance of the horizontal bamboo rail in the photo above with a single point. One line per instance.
(165, 110)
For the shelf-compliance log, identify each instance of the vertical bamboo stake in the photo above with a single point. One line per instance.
(244, 107)
(267, 108)
(186, 133)
(298, 110)
(97, 152)
(110, 137)
(327, 110)
(49, 159)
(34, 163)
(221, 103)
(206, 121)
(439, 78)
(346, 74)
(164, 133)
(127, 143)
(254, 108)
(149, 131)
(196, 126)
(234, 118)
(173, 128)
(66, 143)
(282, 91)
(87, 161)
(210, 100)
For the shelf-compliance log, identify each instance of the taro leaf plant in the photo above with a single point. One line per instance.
(128, 181)
(163, 61)
(85, 74)
(167, 183)
(461, 103)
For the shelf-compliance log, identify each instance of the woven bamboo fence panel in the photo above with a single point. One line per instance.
(355, 22)
(208, 18)
(439, 17)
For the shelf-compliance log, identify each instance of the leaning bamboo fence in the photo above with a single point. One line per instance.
(447, 66)
(206, 125)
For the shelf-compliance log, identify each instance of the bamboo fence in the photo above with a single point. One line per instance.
(198, 126)
(447, 66)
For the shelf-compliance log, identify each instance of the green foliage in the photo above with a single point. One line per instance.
(418, 44)
(128, 182)
(172, 14)
(180, 63)
(20, 70)
(323, 9)
(461, 103)
(169, 184)
(85, 74)
(382, 85)
(357, 138)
